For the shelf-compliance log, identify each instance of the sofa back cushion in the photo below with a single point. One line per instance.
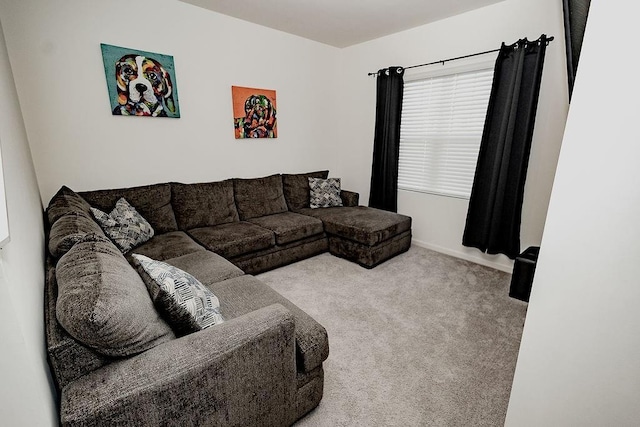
(205, 204)
(259, 196)
(69, 230)
(153, 202)
(64, 202)
(296, 188)
(70, 219)
(103, 303)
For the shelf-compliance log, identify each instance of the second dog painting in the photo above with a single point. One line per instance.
(254, 112)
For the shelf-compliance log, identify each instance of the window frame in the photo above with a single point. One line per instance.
(4, 215)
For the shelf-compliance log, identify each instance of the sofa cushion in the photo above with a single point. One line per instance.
(244, 294)
(206, 266)
(124, 225)
(69, 230)
(180, 298)
(368, 226)
(234, 238)
(68, 357)
(296, 188)
(64, 202)
(259, 196)
(168, 245)
(201, 205)
(277, 256)
(349, 198)
(289, 226)
(103, 303)
(324, 193)
(153, 202)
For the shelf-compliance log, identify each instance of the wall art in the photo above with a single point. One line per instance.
(140, 83)
(254, 112)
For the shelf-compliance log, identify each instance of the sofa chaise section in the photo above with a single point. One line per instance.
(364, 235)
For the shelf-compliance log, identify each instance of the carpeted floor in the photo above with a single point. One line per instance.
(424, 339)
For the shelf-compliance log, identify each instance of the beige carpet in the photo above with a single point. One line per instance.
(422, 340)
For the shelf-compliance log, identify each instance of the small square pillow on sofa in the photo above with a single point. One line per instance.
(185, 303)
(324, 193)
(124, 225)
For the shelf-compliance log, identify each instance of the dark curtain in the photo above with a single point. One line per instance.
(386, 143)
(575, 22)
(495, 206)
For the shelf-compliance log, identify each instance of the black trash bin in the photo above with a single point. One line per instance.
(523, 269)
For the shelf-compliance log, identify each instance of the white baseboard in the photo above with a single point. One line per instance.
(507, 268)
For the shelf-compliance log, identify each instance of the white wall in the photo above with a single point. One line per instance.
(579, 361)
(26, 394)
(438, 222)
(326, 102)
(54, 46)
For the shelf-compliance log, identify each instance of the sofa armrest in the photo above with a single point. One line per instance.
(349, 198)
(241, 372)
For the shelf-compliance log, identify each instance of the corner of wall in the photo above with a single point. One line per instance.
(26, 389)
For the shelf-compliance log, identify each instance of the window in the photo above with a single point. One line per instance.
(443, 115)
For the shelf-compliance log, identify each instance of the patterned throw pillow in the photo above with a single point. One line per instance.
(324, 193)
(124, 225)
(185, 303)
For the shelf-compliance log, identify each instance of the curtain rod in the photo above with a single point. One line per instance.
(442, 61)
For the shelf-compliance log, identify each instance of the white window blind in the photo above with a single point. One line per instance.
(440, 132)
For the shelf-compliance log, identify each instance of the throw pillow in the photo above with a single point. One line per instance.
(124, 225)
(324, 193)
(103, 303)
(186, 304)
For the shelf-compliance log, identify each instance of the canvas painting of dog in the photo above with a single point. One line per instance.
(140, 83)
(254, 112)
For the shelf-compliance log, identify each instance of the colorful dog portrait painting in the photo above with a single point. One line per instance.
(140, 83)
(254, 112)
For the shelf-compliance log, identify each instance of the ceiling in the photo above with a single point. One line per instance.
(341, 23)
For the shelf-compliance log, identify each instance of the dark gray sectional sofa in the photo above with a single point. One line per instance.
(263, 365)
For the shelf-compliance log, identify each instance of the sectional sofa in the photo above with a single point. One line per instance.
(118, 361)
